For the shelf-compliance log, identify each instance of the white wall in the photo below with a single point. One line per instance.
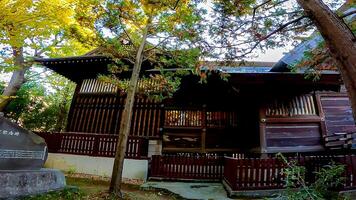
(101, 166)
(154, 147)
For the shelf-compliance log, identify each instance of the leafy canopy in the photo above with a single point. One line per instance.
(42, 103)
(171, 41)
(46, 27)
(237, 28)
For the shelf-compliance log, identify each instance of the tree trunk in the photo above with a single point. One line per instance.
(125, 124)
(339, 39)
(17, 78)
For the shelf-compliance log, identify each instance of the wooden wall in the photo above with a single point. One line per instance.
(217, 117)
(97, 108)
(291, 125)
(299, 124)
(338, 113)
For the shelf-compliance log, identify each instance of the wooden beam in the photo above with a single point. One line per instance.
(262, 122)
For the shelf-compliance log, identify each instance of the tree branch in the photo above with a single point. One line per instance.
(176, 4)
(348, 14)
(123, 28)
(272, 33)
(259, 6)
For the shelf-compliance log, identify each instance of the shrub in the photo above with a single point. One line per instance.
(327, 179)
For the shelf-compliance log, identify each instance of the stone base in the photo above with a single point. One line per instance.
(251, 193)
(101, 166)
(18, 183)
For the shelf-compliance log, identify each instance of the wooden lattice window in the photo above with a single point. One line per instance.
(184, 118)
(221, 119)
(95, 86)
(299, 105)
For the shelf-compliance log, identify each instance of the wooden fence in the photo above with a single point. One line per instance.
(253, 173)
(203, 166)
(259, 174)
(187, 167)
(103, 145)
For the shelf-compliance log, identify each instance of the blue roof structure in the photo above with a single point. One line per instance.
(297, 54)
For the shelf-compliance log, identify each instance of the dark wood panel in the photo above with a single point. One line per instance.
(292, 130)
(337, 110)
(340, 129)
(295, 149)
(338, 114)
(285, 134)
(334, 118)
(293, 142)
(345, 121)
(335, 101)
(302, 119)
(293, 135)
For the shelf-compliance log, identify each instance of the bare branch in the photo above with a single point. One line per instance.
(161, 42)
(259, 6)
(123, 28)
(56, 41)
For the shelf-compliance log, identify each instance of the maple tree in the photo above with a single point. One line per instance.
(31, 29)
(146, 30)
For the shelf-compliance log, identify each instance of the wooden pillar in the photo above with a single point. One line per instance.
(203, 130)
(161, 120)
(263, 120)
(321, 115)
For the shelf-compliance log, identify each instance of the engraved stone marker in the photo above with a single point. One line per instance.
(20, 149)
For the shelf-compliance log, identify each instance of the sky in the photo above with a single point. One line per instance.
(271, 55)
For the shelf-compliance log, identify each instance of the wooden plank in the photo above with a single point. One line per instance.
(302, 119)
(312, 141)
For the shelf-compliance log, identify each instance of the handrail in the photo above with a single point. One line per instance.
(102, 145)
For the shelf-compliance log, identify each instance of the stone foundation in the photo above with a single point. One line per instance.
(19, 183)
(136, 170)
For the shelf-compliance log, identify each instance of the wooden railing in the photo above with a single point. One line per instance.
(102, 145)
(253, 173)
(259, 174)
(187, 167)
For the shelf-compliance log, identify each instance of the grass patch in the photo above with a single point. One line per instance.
(65, 194)
(90, 188)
